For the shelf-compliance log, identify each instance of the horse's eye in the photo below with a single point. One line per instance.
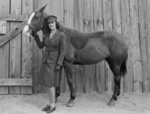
(37, 15)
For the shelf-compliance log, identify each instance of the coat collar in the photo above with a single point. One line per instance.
(54, 35)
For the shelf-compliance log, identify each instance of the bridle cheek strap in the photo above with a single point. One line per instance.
(33, 28)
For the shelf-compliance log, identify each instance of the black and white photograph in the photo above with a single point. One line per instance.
(74, 56)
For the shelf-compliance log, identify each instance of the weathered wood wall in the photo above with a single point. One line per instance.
(15, 55)
(21, 58)
(129, 17)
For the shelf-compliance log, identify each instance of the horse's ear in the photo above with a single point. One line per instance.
(42, 8)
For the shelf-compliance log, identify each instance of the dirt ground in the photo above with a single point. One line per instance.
(91, 103)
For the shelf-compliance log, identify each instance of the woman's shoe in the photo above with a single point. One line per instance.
(70, 103)
(46, 108)
(51, 109)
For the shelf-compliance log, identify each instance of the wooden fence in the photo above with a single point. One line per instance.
(16, 53)
(21, 58)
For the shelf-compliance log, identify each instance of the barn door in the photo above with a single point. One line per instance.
(15, 54)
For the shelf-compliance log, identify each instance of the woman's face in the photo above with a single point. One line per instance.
(52, 25)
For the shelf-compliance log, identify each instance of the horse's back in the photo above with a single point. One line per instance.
(91, 48)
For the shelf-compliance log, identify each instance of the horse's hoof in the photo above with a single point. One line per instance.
(111, 103)
(70, 103)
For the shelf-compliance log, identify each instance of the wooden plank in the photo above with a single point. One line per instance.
(4, 67)
(4, 7)
(3, 90)
(36, 4)
(15, 48)
(59, 9)
(4, 50)
(27, 7)
(15, 59)
(107, 11)
(15, 7)
(116, 16)
(11, 34)
(27, 49)
(148, 42)
(136, 56)
(15, 81)
(26, 90)
(2, 27)
(69, 13)
(143, 42)
(125, 18)
(14, 17)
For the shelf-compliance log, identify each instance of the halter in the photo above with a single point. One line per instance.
(35, 28)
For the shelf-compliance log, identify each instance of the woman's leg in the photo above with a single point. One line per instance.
(51, 95)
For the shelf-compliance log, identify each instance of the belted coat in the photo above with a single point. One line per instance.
(53, 55)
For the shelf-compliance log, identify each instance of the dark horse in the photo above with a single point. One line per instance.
(86, 49)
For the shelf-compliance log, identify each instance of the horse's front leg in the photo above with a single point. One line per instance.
(69, 75)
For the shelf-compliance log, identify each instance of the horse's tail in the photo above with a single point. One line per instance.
(123, 69)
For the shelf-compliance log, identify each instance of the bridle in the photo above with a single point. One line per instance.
(35, 28)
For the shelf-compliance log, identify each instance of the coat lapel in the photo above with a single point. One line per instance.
(55, 35)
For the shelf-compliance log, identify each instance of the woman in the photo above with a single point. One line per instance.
(55, 48)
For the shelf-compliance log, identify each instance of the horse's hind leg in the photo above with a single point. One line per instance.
(69, 74)
(117, 78)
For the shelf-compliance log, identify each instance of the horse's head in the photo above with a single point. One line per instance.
(34, 22)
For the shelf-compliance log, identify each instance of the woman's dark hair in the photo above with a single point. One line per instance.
(57, 24)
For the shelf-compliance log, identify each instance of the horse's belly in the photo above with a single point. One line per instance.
(91, 54)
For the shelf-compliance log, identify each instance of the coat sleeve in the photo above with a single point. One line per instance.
(38, 42)
(62, 49)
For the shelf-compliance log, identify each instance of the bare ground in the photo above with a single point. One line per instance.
(90, 103)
